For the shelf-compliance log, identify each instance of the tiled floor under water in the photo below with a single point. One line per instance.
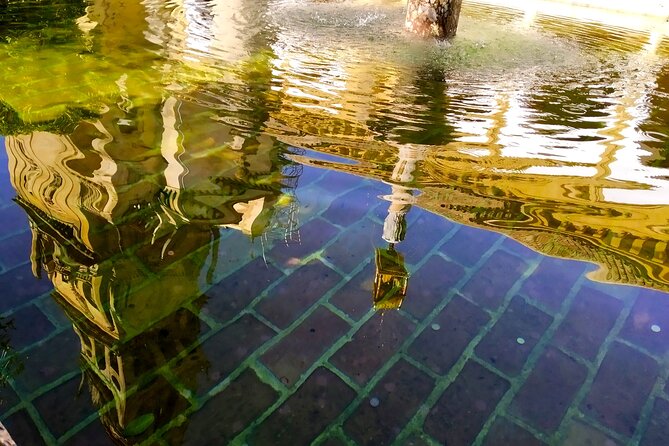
(494, 344)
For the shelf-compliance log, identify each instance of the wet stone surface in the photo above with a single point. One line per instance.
(489, 285)
(290, 298)
(459, 322)
(501, 349)
(276, 348)
(298, 351)
(227, 349)
(373, 344)
(620, 389)
(229, 412)
(658, 427)
(234, 293)
(22, 429)
(648, 323)
(581, 434)
(588, 323)
(560, 274)
(64, 406)
(546, 395)
(504, 432)
(314, 405)
(398, 395)
(437, 278)
(355, 296)
(463, 408)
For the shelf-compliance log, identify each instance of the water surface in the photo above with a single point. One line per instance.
(289, 222)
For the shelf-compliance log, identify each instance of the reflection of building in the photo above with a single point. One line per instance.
(561, 166)
(125, 212)
(392, 277)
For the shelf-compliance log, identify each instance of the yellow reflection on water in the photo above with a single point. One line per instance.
(551, 131)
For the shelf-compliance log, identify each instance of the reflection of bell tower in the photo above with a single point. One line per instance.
(125, 213)
(392, 277)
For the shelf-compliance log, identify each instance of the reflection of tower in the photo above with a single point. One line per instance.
(124, 229)
(392, 278)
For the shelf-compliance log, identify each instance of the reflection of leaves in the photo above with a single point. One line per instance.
(10, 362)
(139, 425)
(12, 124)
(42, 20)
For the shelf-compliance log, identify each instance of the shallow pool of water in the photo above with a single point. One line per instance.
(288, 222)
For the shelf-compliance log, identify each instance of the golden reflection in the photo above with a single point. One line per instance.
(510, 128)
(391, 280)
(124, 232)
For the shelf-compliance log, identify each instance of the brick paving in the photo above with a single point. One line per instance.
(494, 344)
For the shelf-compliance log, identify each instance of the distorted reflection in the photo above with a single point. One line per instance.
(143, 137)
(125, 233)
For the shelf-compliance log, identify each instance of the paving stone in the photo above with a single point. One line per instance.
(459, 323)
(300, 349)
(399, 393)
(19, 286)
(297, 293)
(373, 345)
(354, 245)
(469, 244)
(489, 285)
(504, 432)
(16, 250)
(227, 349)
(462, 410)
(8, 398)
(549, 390)
(588, 322)
(356, 297)
(657, 432)
(500, 347)
(41, 365)
(650, 309)
(312, 201)
(93, 434)
(620, 389)
(234, 293)
(29, 326)
(236, 250)
(14, 219)
(415, 440)
(581, 434)
(64, 407)
(314, 235)
(339, 181)
(351, 207)
(333, 442)
(23, 430)
(518, 249)
(551, 282)
(430, 285)
(156, 397)
(54, 312)
(418, 242)
(229, 412)
(309, 175)
(308, 411)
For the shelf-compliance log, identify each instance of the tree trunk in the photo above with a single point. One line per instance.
(433, 18)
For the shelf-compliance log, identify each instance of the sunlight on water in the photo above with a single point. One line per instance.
(541, 115)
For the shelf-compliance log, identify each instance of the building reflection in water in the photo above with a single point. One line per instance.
(392, 278)
(125, 230)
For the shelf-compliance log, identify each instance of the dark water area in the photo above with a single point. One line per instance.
(288, 222)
